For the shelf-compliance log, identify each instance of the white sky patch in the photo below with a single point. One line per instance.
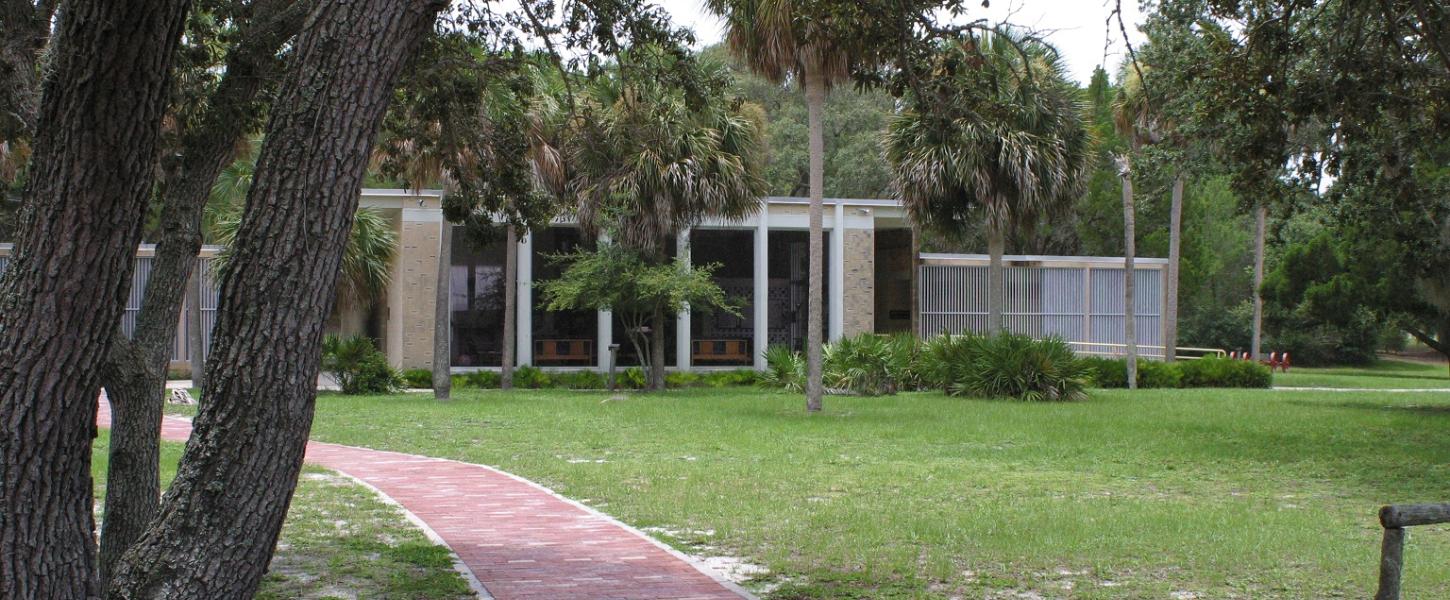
(1077, 27)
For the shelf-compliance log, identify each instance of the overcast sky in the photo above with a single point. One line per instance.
(1076, 27)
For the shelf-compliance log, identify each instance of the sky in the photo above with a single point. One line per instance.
(1077, 27)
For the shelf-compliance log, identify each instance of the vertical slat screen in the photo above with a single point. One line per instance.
(1044, 300)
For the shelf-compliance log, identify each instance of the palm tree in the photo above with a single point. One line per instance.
(1136, 118)
(999, 137)
(785, 38)
(649, 163)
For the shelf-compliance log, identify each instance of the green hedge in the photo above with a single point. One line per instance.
(632, 378)
(1200, 373)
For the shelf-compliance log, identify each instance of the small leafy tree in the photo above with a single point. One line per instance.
(634, 288)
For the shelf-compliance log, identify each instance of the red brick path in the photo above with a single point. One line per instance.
(518, 539)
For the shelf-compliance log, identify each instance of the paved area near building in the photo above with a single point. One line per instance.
(516, 538)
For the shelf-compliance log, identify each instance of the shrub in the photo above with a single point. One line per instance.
(904, 361)
(861, 365)
(717, 379)
(633, 378)
(1017, 366)
(1224, 373)
(682, 379)
(1156, 374)
(1107, 372)
(358, 366)
(785, 369)
(945, 358)
(418, 378)
(530, 377)
(477, 379)
(578, 380)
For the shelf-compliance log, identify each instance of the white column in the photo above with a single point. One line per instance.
(682, 322)
(605, 328)
(838, 271)
(525, 303)
(762, 286)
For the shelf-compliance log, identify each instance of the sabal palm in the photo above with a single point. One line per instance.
(797, 38)
(647, 164)
(1000, 139)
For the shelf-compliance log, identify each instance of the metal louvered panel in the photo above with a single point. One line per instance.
(181, 351)
(1076, 303)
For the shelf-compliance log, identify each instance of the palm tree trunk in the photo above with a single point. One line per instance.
(1175, 243)
(815, 88)
(657, 349)
(1261, 216)
(88, 186)
(510, 307)
(1130, 249)
(220, 519)
(996, 277)
(442, 315)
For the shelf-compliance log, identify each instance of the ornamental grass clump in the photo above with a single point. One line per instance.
(1015, 366)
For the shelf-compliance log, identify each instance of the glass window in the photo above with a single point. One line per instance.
(561, 338)
(476, 299)
(789, 285)
(719, 338)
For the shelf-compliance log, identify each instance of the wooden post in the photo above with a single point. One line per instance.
(1392, 557)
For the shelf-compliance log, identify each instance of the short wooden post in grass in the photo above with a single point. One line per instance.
(1395, 518)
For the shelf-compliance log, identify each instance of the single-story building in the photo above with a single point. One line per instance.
(872, 275)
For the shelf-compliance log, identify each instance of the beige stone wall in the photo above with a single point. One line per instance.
(859, 302)
(411, 295)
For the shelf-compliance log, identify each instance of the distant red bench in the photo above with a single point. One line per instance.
(1275, 360)
(563, 351)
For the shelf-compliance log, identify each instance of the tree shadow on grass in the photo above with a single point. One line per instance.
(1425, 409)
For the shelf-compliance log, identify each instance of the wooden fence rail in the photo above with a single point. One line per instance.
(1395, 518)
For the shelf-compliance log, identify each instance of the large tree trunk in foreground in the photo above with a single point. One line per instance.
(1175, 244)
(996, 277)
(1130, 249)
(510, 307)
(815, 88)
(219, 520)
(62, 297)
(1261, 216)
(24, 32)
(134, 373)
(442, 314)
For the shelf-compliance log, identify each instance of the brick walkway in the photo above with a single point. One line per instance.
(516, 538)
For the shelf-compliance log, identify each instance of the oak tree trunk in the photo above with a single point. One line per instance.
(135, 371)
(1130, 249)
(219, 521)
(1261, 216)
(815, 89)
(1175, 244)
(510, 307)
(443, 315)
(996, 278)
(62, 297)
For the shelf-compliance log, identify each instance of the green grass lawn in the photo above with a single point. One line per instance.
(1129, 495)
(1385, 374)
(340, 541)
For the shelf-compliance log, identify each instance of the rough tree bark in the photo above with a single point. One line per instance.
(1130, 247)
(442, 314)
(24, 33)
(996, 277)
(1175, 243)
(219, 521)
(134, 373)
(510, 307)
(62, 297)
(1261, 217)
(815, 88)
